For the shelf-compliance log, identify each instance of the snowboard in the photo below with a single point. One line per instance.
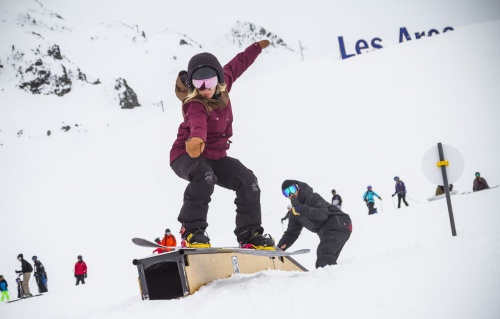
(469, 192)
(256, 252)
(441, 196)
(24, 298)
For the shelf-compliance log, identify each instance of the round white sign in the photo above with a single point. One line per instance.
(453, 161)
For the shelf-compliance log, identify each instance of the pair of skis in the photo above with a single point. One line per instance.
(256, 252)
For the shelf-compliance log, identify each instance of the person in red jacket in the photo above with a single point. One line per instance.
(168, 240)
(158, 250)
(80, 271)
(199, 156)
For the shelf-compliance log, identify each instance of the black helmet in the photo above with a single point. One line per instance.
(167, 230)
(79, 257)
(20, 256)
(396, 178)
(34, 258)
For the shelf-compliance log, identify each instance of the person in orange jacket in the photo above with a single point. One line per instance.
(168, 240)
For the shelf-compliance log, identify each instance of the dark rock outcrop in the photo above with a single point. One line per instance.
(126, 96)
(244, 33)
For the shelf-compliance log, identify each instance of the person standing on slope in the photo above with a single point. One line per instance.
(40, 274)
(368, 197)
(199, 154)
(400, 190)
(4, 289)
(80, 271)
(26, 270)
(336, 199)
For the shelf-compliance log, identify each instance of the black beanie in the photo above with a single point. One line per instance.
(205, 65)
(20, 255)
(287, 184)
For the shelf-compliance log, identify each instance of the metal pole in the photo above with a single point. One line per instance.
(443, 165)
(301, 50)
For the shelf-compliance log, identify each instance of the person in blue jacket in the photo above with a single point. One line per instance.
(4, 289)
(400, 190)
(368, 197)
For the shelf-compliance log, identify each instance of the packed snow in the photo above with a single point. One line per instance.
(332, 123)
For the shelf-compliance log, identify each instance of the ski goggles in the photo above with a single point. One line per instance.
(290, 190)
(206, 84)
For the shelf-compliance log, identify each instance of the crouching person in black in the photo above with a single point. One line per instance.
(311, 211)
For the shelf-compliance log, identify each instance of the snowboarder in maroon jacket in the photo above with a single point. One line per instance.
(199, 156)
(80, 271)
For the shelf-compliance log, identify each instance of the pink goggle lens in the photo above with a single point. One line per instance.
(206, 84)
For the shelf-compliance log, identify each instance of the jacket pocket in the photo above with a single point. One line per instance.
(344, 222)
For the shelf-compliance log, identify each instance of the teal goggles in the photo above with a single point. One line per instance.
(290, 190)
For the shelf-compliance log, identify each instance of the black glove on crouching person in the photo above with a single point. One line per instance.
(281, 243)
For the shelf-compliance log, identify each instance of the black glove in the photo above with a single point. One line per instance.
(18, 271)
(281, 243)
(85, 275)
(393, 194)
(75, 275)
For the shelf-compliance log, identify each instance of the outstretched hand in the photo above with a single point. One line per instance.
(263, 43)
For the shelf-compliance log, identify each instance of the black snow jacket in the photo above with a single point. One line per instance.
(26, 266)
(314, 212)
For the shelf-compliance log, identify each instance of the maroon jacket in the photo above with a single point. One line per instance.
(215, 128)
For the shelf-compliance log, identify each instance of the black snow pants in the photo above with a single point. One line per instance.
(403, 197)
(203, 175)
(80, 278)
(371, 208)
(332, 236)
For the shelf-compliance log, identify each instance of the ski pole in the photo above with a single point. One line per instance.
(412, 199)
(393, 204)
(381, 206)
(282, 226)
